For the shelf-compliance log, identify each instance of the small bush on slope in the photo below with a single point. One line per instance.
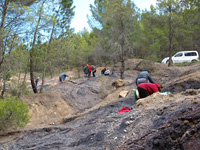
(13, 114)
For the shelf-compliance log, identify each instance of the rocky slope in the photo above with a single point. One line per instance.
(82, 114)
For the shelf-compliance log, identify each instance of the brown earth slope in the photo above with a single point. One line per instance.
(81, 114)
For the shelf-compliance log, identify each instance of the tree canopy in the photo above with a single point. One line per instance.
(36, 38)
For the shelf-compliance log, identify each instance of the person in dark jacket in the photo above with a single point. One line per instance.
(102, 71)
(36, 80)
(146, 89)
(62, 77)
(143, 77)
(93, 70)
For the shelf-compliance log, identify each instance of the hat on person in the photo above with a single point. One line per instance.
(145, 69)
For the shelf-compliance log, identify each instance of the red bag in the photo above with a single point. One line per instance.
(124, 109)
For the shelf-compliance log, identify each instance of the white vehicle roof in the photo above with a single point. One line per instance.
(186, 51)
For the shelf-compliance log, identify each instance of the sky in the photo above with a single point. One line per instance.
(82, 10)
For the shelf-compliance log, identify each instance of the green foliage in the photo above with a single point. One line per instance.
(153, 58)
(8, 75)
(13, 114)
(80, 50)
(18, 89)
(66, 15)
(119, 31)
(97, 13)
(185, 64)
(118, 20)
(146, 64)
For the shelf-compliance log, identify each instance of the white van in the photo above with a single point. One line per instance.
(183, 56)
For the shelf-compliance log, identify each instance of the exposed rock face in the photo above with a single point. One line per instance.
(182, 131)
(164, 123)
(189, 81)
(156, 122)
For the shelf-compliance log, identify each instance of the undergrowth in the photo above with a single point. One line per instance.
(13, 114)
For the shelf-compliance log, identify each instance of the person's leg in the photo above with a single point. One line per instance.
(93, 73)
(36, 83)
(60, 79)
(142, 92)
(89, 74)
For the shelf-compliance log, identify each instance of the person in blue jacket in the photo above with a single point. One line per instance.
(62, 77)
(36, 80)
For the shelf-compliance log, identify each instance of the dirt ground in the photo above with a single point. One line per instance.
(79, 105)
(64, 100)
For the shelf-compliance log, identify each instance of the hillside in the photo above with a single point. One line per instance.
(81, 113)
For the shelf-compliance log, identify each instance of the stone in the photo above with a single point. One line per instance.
(123, 93)
(118, 83)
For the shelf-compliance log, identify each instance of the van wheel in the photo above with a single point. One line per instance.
(194, 60)
(167, 62)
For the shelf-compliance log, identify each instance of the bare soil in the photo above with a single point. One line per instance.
(81, 113)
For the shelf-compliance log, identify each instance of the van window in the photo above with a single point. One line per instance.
(179, 55)
(190, 54)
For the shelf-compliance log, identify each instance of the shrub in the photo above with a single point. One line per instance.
(18, 89)
(183, 64)
(13, 114)
(146, 64)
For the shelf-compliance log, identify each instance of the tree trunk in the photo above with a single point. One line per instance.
(18, 85)
(3, 88)
(19, 78)
(50, 70)
(99, 57)
(31, 73)
(43, 76)
(31, 52)
(48, 51)
(122, 68)
(114, 65)
(170, 37)
(2, 30)
(23, 83)
(100, 60)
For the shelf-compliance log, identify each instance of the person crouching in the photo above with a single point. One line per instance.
(146, 89)
(62, 77)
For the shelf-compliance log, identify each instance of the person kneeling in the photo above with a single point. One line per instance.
(146, 89)
(107, 72)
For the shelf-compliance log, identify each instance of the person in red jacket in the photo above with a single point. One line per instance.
(90, 70)
(146, 89)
